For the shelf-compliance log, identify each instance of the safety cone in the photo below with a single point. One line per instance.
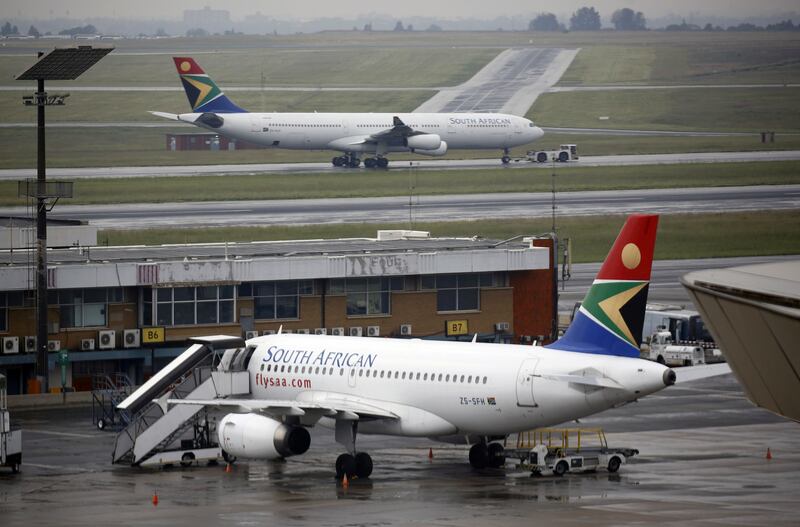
(155, 498)
(769, 453)
(345, 482)
(430, 453)
(228, 468)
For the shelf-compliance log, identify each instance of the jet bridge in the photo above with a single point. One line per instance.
(201, 372)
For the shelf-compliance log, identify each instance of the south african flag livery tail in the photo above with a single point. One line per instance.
(611, 316)
(203, 93)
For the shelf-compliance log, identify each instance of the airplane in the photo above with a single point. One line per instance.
(353, 134)
(445, 390)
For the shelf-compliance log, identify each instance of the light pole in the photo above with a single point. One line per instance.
(59, 64)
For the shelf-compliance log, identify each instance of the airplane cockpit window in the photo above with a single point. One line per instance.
(531, 125)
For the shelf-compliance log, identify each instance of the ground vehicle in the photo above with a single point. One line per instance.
(548, 451)
(663, 350)
(564, 154)
(10, 440)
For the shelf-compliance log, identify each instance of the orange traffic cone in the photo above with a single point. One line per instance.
(769, 453)
(155, 498)
(430, 453)
(345, 482)
(228, 468)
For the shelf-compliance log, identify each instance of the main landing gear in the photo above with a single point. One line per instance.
(352, 464)
(482, 455)
(376, 162)
(506, 159)
(347, 160)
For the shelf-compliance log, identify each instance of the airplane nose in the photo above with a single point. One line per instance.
(536, 133)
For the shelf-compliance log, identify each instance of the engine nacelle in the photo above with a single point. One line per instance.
(442, 150)
(424, 142)
(256, 436)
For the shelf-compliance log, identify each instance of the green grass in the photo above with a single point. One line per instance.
(112, 107)
(757, 233)
(398, 182)
(412, 66)
(724, 109)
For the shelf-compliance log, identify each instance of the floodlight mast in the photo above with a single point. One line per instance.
(60, 64)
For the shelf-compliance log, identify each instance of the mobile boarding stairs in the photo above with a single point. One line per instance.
(157, 433)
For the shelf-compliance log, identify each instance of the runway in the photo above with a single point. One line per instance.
(424, 164)
(427, 208)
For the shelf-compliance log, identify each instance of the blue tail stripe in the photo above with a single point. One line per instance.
(587, 336)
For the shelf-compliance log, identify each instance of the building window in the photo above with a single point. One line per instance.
(279, 300)
(82, 308)
(458, 292)
(367, 296)
(188, 306)
(3, 312)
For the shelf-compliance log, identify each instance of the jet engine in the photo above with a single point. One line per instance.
(424, 142)
(440, 151)
(256, 436)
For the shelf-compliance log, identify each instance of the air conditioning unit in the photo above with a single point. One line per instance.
(286, 331)
(303, 332)
(268, 332)
(337, 332)
(86, 345)
(405, 330)
(321, 331)
(107, 339)
(131, 338)
(10, 345)
(501, 327)
(54, 345)
(30, 344)
(250, 335)
(357, 331)
(373, 331)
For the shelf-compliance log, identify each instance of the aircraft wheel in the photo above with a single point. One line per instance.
(345, 464)
(338, 161)
(369, 162)
(496, 456)
(479, 456)
(383, 162)
(505, 160)
(354, 162)
(363, 465)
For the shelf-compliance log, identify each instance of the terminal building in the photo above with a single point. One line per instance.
(132, 309)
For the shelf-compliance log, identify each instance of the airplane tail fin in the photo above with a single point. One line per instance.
(611, 317)
(203, 93)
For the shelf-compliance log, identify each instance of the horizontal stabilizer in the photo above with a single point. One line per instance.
(694, 373)
(601, 382)
(165, 115)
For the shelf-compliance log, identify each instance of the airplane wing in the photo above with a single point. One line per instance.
(396, 135)
(330, 407)
(165, 115)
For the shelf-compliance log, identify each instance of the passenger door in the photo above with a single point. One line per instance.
(525, 395)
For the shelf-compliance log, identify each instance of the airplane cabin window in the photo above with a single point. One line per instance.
(317, 371)
(381, 374)
(447, 379)
(304, 369)
(396, 374)
(404, 375)
(360, 373)
(262, 367)
(425, 378)
(484, 380)
(440, 377)
(462, 378)
(469, 380)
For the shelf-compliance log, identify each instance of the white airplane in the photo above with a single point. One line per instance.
(354, 134)
(476, 392)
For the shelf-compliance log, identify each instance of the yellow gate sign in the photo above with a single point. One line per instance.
(456, 327)
(152, 335)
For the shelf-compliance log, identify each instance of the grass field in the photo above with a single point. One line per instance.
(398, 183)
(723, 109)
(679, 236)
(254, 66)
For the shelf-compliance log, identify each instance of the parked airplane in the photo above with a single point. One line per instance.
(475, 392)
(354, 134)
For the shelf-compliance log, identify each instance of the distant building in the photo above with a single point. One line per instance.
(212, 20)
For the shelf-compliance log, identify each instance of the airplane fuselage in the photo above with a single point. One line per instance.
(345, 132)
(439, 388)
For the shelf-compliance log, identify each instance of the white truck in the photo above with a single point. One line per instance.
(10, 440)
(663, 350)
(564, 154)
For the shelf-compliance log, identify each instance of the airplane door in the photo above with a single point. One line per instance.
(525, 396)
(351, 378)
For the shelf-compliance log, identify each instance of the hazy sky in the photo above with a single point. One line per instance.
(306, 9)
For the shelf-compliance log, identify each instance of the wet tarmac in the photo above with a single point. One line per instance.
(702, 462)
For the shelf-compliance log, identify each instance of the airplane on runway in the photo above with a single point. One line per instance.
(450, 391)
(354, 134)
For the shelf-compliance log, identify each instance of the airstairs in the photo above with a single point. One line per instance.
(155, 427)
